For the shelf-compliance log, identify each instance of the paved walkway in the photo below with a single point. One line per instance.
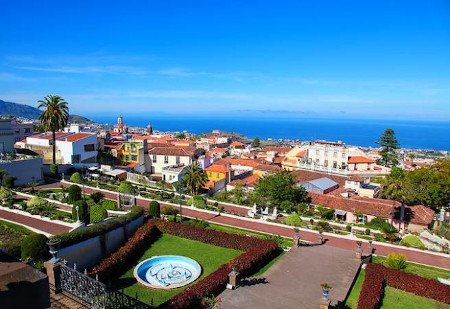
(262, 226)
(294, 281)
(45, 226)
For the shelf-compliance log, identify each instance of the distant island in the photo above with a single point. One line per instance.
(32, 113)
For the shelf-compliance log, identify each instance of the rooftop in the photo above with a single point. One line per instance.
(323, 183)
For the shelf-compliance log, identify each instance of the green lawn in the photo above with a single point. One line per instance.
(413, 268)
(208, 256)
(420, 270)
(352, 300)
(397, 299)
(11, 237)
(412, 241)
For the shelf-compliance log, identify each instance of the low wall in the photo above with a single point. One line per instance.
(89, 252)
(25, 171)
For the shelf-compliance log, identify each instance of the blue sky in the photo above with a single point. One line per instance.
(387, 59)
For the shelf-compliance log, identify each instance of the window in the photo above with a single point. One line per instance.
(154, 159)
(317, 161)
(76, 158)
(334, 164)
(166, 159)
(178, 160)
(325, 163)
(343, 155)
(89, 147)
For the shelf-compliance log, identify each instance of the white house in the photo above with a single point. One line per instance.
(172, 174)
(162, 156)
(71, 148)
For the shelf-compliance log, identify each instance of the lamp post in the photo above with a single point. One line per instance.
(179, 188)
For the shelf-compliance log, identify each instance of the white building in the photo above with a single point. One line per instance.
(21, 129)
(163, 156)
(172, 174)
(71, 148)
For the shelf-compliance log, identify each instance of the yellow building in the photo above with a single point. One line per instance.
(218, 172)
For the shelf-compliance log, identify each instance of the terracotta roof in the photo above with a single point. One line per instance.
(356, 178)
(218, 169)
(278, 160)
(249, 181)
(218, 150)
(241, 162)
(420, 215)
(302, 176)
(172, 151)
(301, 154)
(268, 167)
(277, 149)
(237, 144)
(48, 135)
(75, 137)
(359, 159)
(372, 207)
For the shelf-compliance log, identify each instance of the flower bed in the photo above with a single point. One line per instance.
(257, 253)
(377, 276)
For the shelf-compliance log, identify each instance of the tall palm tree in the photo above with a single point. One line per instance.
(394, 188)
(195, 179)
(54, 117)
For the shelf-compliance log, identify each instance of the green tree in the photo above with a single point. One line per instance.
(389, 145)
(9, 181)
(126, 187)
(98, 213)
(34, 247)
(238, 194)
(76, 178)
(180, 135)
(395, 188)
(274, 189)
(195, 179)
(83, 211)
(74, 193)
(54, 117)
(154, 209)
(256, 143)
(3, 173)
(97, 197)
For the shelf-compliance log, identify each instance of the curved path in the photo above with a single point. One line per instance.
(265, 227)
(44, 226)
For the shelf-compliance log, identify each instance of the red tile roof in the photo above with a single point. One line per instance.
(74, 137)
(421, 215)
(303, 176)
(249, 181)
(277, 149)
(237, 144)
(359, 159)
(172, 151)
(268, 168)
(48, 135)
(218, 169)
(241, 162)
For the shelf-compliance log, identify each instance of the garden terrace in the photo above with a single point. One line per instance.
(216, 251)
(11, 237)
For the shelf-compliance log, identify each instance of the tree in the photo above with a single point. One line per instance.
(83, 211)
(126, 187)
(74, 193)
(97, 197)
(154, 209)
(256, 143)
(195, 179)
(76, 178)
(34, 247)
(98, 213)
(180, 136)
(9, 181)
(3, 173)
(54, 117)
(389, 146)
(274, 189)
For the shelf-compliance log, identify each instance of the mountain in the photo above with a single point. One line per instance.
(19, 110)
(30, 112)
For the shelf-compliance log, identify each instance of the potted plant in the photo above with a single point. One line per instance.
(326, 291)
(53, 244)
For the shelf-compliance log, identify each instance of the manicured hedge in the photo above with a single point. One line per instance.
(377, 276)
(98, 229)
(124, 258)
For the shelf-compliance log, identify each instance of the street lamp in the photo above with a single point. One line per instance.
(179, 188)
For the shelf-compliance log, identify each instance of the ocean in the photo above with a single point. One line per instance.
(362, 132)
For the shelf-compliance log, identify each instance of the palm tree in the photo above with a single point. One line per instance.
(195, 179)
(54, 117)
(394, 188)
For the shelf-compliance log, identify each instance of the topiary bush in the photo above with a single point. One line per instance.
(97, 197)
(197, 201)
(98, 213)
(54, 169)
(34, 246)
(154, 209)
(348, 228)
(293, 220)
(83, 211)
(76, 178)
(74, 193)
(109, 205)
(126, 187)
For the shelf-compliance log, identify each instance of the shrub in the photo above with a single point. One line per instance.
(35, 201)
(197, 201)
(293, 220)
(377, 276)
(325, 212)
(77, 236)
(154, 209)
(348, 228)
(121, 260)
(396, 261)
(367, 232)
(286, 206)
(54, 169)
(76, 177)
(381, 225)
(109, 205)
(74, 193)
(9, 181)
(169, 211)
(198, 223)
(325, 226)
(98, 213)
(412, 241)
(126, 187)
(97, 197)
(83, 211)
(34, 246)
(5, 194)
(302, 208)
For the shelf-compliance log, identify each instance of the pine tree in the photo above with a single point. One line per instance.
(389, 145)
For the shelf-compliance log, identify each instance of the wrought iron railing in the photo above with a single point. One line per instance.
(95, 294)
